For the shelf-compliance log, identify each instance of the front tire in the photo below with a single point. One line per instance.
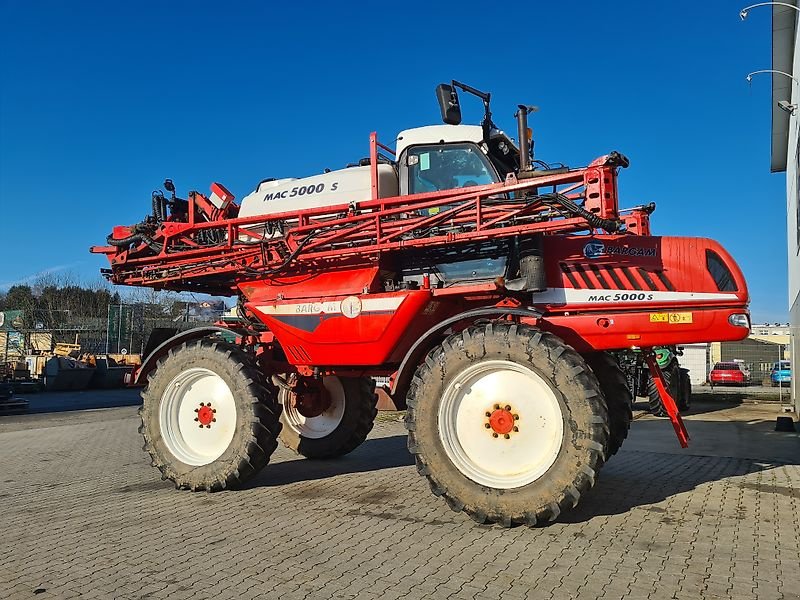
(341, 428)
(617, 395)
(208, 422)
(507, 423)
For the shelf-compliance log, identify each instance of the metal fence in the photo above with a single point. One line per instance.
(126, 329)
(759, 366)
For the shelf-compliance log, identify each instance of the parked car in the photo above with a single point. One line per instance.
(728, 373)
(745, 369)
(781, 373)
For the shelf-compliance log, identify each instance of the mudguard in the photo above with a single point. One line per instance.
(428, 339)
(161, 350)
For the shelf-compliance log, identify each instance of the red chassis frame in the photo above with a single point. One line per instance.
(315, 277)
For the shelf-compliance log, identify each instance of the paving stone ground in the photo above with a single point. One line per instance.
(83, 515)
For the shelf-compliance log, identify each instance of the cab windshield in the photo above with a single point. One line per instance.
(436, 168)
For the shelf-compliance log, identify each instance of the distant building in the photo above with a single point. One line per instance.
(766, 344)
(772, 333)
(785, 154)
(770, 329)
(759, 355)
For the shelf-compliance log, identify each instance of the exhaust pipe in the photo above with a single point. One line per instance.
(525, 143)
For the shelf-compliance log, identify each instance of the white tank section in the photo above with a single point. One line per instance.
(328, 189)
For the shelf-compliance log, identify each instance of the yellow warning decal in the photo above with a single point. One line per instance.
(674, 318)
(683, 317)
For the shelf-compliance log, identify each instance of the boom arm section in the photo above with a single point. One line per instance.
(215, 255)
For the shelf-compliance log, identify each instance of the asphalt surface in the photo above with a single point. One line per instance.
(82, 514)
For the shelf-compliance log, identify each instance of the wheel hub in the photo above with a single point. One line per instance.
(314, 408)
(205, 415)
(197, 416)
(507, 455)
(310, 400)
(502, 421)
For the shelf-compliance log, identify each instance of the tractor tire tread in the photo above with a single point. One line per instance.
(617, 395)
(473, 344)
(352, 432)
(655, 405)
(255, 444)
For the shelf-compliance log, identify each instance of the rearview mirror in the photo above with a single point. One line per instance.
(448, 104)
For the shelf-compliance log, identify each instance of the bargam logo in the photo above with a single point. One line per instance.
(598, 249)
(594, 250)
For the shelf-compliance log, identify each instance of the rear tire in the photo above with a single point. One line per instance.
(672, 380)
(207, 420)
(617, 395)
(342, 428)
(685, 397)
(471, 389)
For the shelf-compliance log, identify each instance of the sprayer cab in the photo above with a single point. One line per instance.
(520, 157)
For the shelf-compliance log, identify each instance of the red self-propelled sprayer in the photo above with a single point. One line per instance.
(496, 292)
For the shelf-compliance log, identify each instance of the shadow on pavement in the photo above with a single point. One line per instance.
(373, 455)
(649, 469)
(621, 489)
(705, 403)
(47, 402)
(708, 404)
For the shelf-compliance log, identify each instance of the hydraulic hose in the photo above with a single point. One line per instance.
(608, 225)
(291, 256)
(159, 207)
(134, 238)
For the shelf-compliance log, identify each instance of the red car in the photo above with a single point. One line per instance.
(729, 373)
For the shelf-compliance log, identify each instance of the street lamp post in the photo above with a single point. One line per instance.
(746, 9)
(750, 75)
(783, 104)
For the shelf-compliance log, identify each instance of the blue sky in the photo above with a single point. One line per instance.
(99, 102)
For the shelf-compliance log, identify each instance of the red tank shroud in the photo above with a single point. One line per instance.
(604, 292)
(585, 272)
(619, 291)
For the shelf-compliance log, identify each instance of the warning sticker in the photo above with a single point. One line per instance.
(673, 318)
(684, 317)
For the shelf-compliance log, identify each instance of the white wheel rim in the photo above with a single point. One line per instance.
(185, 436)
(501, 462)
(322, 425)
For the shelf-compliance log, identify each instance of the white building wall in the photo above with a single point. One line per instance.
(794, 315)
(792, 173)
(695, 358)
(793, 223)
